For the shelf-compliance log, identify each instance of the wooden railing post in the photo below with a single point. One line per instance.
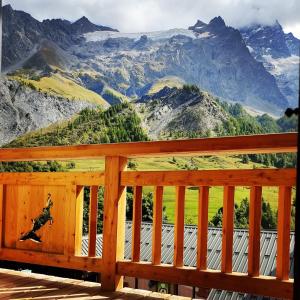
(113, 223)
(284, 226)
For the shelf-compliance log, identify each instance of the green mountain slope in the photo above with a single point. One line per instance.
(119, 123)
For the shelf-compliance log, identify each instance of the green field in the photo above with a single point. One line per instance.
(191, 204)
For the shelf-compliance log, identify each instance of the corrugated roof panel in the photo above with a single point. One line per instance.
(240, 251)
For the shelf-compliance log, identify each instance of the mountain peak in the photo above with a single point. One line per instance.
(83, 20)
(84, 25)
(199, 24)
(217, 22)
(8, 7)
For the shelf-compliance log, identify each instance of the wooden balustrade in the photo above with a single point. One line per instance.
(22, 195)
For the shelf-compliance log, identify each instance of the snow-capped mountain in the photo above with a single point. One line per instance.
(117, 65)
(279, 52)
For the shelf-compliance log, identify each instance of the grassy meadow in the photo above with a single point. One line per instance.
(179, 163)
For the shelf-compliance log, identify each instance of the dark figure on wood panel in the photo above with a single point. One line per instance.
(38, 223)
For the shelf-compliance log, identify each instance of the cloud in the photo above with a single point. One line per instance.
(149, 15)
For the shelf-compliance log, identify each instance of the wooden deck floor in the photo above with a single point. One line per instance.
(21, 285)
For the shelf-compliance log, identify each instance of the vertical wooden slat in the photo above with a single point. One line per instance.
(93, 213)
(70, 220)
(283, 239)
(179, 227)
(227, 229)
(157, 225)
(113, 223)
(79, 219)
(254, 230)
(202, 227)
(1, 213)
(136, 223)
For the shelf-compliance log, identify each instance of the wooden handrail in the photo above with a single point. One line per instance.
(17, 191)
(251, 144)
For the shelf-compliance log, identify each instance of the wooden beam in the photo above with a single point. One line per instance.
(157, 225)
(70, 222)
(283, 235)
(136, 223)
(93, 216)
(236, 282)
(202, 228)
(261, 177)
(79, 219)
(55, 178)
(179, 227)
(251, 144)
(254, 230)
(113, 223)
(2, 187)
(227, 229)
(83, 263)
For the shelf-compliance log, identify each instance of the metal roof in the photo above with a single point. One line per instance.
(240, 251)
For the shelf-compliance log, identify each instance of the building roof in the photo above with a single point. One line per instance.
(240, 251)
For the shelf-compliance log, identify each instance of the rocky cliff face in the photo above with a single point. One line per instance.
(23, 110)
(174, 112)
(279, 53)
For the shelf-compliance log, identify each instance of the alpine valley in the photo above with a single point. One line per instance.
(190, 82)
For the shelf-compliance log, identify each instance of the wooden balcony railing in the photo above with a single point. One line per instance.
(22, 196)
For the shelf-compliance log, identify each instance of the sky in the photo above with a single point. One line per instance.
(152, 15)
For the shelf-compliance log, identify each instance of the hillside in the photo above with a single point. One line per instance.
(24, 109)
(190, 112)
(118, 123)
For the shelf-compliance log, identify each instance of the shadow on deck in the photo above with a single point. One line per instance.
(21, 285)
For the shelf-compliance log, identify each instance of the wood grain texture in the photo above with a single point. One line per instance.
(55, 178)
(55, 260)
(283, 233)
(179, 226)
(79, 219)
(70, 219)
(2, 220)
(265, 143)
(254, 230)
(157, 225)
(238, 282)
(93, 215)
(253, 177)
(227, 229)
(202, 227)
(136, 223)
(113, 222)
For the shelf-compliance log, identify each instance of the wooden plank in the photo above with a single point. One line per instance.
(283, 235)
(2, 219)
(265, 143)
(261, 177)
(238, 282)
(202, 228)
(79, 219)
(93, 264)
(70, 224)
(227, 229)
(179, 226)
(55, 178)
(10, 215)
(93, 215)
(136, 224)
(157, 225)
(254, 230)
(113, 222)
